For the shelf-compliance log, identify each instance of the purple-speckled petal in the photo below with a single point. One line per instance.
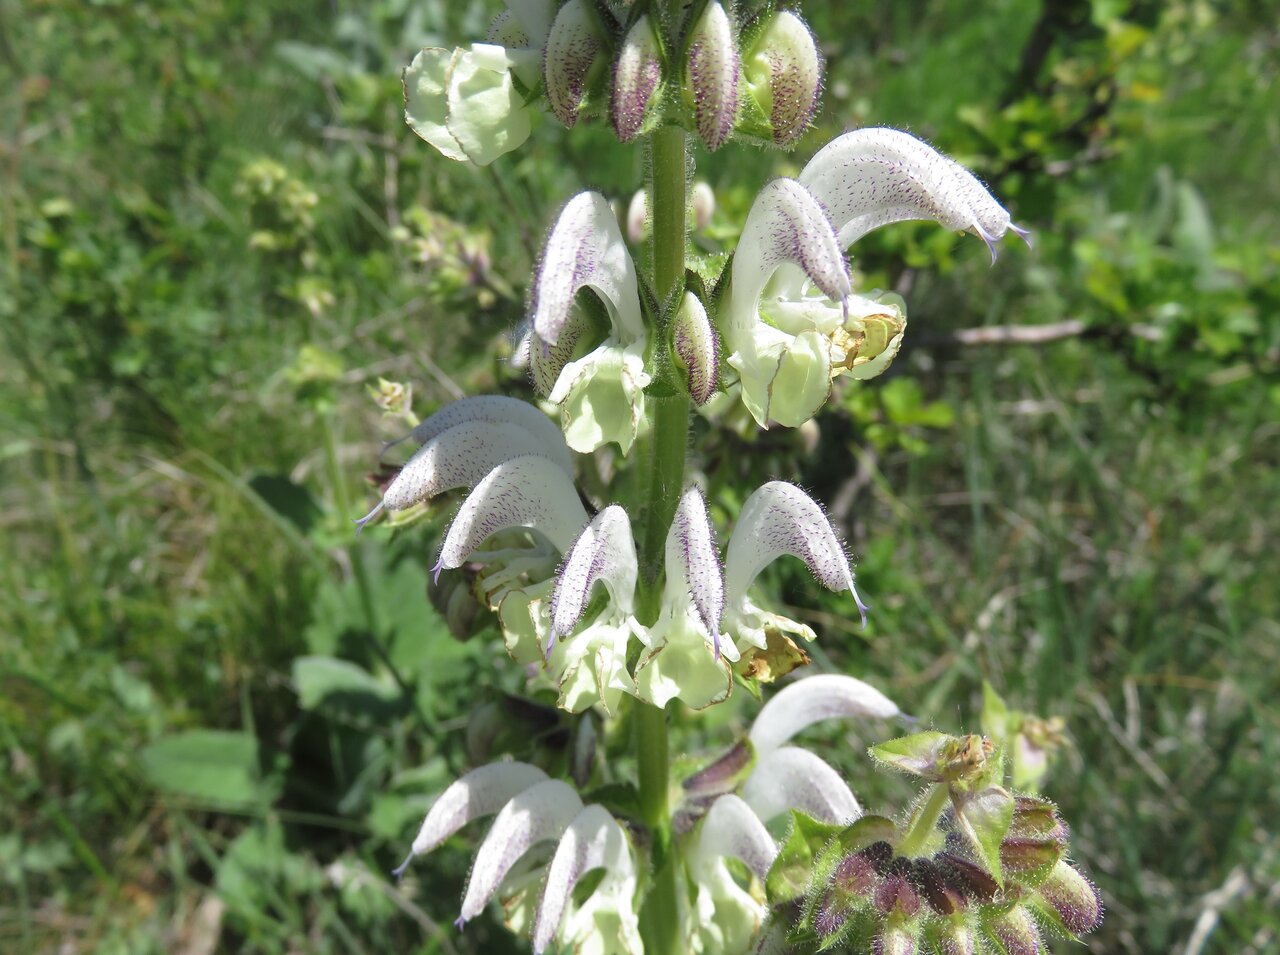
(604, 551)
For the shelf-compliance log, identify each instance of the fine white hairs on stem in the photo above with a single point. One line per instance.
(586, 248)
(779, 519)
(541, 812)
(872, 177)
(693, 562)
(826, 696)
(529, 491)
(605, 551)
(481, 792)
(794, 778)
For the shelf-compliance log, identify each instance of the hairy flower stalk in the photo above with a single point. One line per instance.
(638, 601)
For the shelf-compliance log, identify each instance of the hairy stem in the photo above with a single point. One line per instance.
(916, 840)
(661, 458)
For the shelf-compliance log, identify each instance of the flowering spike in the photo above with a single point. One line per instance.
(586, 248)
(604, 551)
(794, 778)
(529, 491)
(692, 553)
(812, 700)
(731, 828)
(777, 519)
(481, 792)
(462, 456)
(541, 812)
(783, 70)
(872, 177)
(593, 840)
(712, 77)
(572, 46)
(698, 348)
(636, 75)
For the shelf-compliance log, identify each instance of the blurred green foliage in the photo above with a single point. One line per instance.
(222, 716)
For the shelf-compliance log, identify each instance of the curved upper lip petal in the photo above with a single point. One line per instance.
(794, 778)
(604, 551)
(872, 177)
(812, 700)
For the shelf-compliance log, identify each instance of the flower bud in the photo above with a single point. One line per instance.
(572, 48)
(897, 893)
(1074, 898)
(783, 71)
(636, 75)
(943, 897)
(712, 75)
(1015, 933)
(697, 348)
(702, 201)
(637, 223)
(956, 937)
(1028, 856)
(725, 774)
(970, 879)
(898, 938)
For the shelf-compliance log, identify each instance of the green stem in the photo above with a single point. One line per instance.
(915, 842)
(660, 464)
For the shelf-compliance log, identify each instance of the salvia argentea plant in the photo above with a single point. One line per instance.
(624, 607)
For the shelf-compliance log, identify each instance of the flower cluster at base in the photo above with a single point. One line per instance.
(545, 556)
(725, 812)
(972, 869)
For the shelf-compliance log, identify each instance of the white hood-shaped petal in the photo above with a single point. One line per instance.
(541, 812)
(814, 699)
(463, 455)
(594, 840)
(535, 16)
(481, 792)
(778, 519)
(793, 778)
(693, 563)
(786, 224)
(731, 828)
(529, 491)
(605, 551)
(586, 248)
(871, 177)
(493, 409)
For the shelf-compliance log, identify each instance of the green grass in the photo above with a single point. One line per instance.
(1088, 525)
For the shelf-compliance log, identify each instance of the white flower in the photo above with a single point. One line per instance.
(533, 809)
(792, 323)
(465, 102)
(756, 782)
(601, 394)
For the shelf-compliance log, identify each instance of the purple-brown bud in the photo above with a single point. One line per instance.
(783, 71)
(636, 75)
(1015, 933)
(572, 48)
(696, 345)
(897, 892)
(1074, 898)
(712, 75)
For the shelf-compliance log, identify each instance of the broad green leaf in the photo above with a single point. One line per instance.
(214, 767)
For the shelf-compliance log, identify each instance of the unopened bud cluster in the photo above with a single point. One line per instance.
(624, 64)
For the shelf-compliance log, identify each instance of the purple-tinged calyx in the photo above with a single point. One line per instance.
(572, 48)
(783, 73)
(697, 346)
(712, 75)
(636, 75)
